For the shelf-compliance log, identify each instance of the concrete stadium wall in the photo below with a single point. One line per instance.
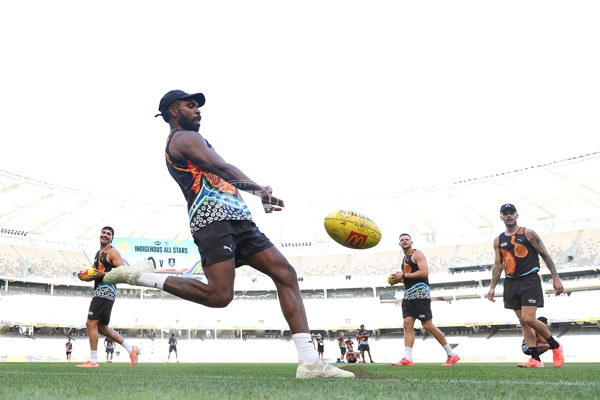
(577, 348)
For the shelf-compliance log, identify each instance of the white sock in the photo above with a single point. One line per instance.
(449, 350)
(94, 356)
(127, 346)
(306, 350)
(408, 353)
(153, 280)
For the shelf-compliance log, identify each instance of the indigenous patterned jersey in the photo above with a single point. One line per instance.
(414, 289)
(209, 197)
(101, 289)
(342, 342)
(518, 255)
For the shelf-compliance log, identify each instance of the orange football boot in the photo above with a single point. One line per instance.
(88, 364)
(557, 356)
(451, 361)
(532, 363)
(404, 362)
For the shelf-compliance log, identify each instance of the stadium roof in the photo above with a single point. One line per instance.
(566, 190)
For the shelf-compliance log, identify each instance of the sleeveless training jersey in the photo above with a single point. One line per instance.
(363, 340)
(414, 289)
(350, 345)
(209, 197)
(101, 289)
(518, 255)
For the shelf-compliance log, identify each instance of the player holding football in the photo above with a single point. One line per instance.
(417, 301)
(103, 299)
(517, 252)
(223, 229)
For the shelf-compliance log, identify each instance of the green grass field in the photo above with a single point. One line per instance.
(276, 381)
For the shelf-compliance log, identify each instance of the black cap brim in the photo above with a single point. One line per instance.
(174, 95)
(199, 97)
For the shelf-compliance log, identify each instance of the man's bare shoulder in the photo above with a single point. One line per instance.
(418, 254)
(185, 135)
(183, 141)
(497, 241)
(530, 233)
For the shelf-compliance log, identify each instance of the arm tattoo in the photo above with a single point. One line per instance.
(537, 244)
(496, 273)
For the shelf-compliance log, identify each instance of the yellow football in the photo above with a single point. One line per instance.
(85, 275)
(351, 229)
(391, 280)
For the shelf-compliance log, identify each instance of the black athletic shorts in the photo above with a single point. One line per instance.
(100, 309)
(364, 347)
(419, 309)
(173, 347)
(523, 291)
(224, 240)
(109, 350)
(343, 350)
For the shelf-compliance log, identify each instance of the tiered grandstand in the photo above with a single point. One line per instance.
(41, 299)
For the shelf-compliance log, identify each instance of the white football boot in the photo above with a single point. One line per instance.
(321, 369)
(128, 273)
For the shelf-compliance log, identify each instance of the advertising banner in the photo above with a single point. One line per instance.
(168, 256)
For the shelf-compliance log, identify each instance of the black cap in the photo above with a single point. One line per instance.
(175, 95)
(508, 206)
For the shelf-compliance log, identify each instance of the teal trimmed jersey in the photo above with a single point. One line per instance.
(101, 289)
(210, 198)
(414, 289)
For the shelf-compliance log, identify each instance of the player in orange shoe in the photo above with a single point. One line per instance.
(103, 299)
(518, 252)
(417, 300)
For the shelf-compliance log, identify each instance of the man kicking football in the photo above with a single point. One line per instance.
(223, 230)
